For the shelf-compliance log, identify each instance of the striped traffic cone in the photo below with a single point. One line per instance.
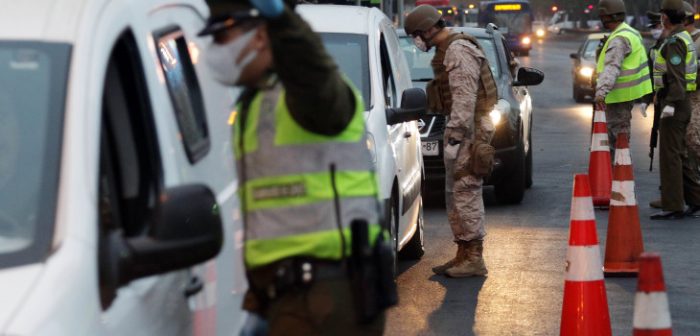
(599, 166)
(203, 304)
(585, 307)
(651, 314)
(624, 239)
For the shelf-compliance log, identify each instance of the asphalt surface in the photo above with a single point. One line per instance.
(526, 244)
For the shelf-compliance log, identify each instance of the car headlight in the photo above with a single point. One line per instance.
(372, 147)
(496, 116)
(540, 32)
(526, 40)
(586, 72)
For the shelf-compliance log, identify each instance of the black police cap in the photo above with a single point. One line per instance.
(228, 13)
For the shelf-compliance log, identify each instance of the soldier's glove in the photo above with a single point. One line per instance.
(640, 108)
(269, 8)
(668, 111)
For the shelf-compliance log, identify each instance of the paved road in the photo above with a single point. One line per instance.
(526, 244)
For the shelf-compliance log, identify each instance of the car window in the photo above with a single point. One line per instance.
(32, 98)
(387, 75)
(351, 54)
(419, 62)
(186, 96)
(130, 177)
(590, 48)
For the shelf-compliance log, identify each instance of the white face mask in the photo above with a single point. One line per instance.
(221, 58)
(420, 44)
(656, 33)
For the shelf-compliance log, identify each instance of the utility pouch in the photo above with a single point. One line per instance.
(481, 159)
(435, 105)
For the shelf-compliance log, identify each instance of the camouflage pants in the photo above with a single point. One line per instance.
(619, 120)
(463, 196)
(692, 134)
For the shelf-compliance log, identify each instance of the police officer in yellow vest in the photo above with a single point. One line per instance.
(675, 76)
(306, 180)
(623, 72)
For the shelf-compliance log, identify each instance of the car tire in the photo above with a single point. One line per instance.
(393, 228)
(579, 96)
(528, 161)
(415, 248)
(511, 190)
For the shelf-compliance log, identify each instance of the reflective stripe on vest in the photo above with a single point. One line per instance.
(634, 80)
(288, 194)
(691, 64)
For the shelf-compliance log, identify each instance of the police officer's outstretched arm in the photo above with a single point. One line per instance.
(317, 96)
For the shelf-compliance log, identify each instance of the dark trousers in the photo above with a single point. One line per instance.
(323, 308)
(680, 182)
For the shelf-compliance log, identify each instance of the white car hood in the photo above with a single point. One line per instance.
(17, 283)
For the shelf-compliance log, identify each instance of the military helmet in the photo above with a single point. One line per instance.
(688, 9)
(225, 14)
(421, 19)
(672, 5)
(611, 7)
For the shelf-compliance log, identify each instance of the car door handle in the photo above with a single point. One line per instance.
(407, 135)
(194, 286)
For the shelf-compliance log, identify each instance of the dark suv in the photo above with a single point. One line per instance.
(512, 116)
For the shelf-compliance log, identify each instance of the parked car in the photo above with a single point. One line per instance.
(584, 67)
(366, 48)
(117, 183)
(512, 116)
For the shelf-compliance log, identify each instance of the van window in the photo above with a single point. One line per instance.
(32, 102)
(185, 93)
(130, 178)
(387, 75)
(350, 52)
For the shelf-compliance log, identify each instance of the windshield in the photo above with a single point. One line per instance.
(419, 62)
(590, 48)
(513, 23)
(32, 96)
(350, 52)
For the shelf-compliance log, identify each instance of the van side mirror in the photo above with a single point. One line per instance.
(413, 105)
(186, 230)
(528, 77)
(574, 56)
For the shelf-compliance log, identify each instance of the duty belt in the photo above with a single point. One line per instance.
(273, 281)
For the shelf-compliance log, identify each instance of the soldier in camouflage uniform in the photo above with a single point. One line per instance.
(692, 134)
(615, 53)
(463, 90)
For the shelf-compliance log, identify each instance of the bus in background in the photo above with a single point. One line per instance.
(514, 21)
(449, 13)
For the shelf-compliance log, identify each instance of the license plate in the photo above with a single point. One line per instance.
(430, 148)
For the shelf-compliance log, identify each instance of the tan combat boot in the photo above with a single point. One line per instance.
(461, 253)
(473, 262)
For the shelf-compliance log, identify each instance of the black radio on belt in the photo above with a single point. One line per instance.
(371, 273)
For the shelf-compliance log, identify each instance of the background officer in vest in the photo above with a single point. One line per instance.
(304, 169)
(675, 75)
(623, 73)
(464, 90)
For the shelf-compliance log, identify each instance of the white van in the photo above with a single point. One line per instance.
(364, 44)
(117, 181)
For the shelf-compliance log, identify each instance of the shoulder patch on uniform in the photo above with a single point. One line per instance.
(676, 59)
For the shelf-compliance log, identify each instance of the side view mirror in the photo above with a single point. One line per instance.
(186, 230)
(575, 56)
(529, 77)
(413, 105)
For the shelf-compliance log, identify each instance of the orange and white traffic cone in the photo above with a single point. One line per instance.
(203, 304)
(651, 314)
(623, 244)
(599, 166)
(585, 307)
